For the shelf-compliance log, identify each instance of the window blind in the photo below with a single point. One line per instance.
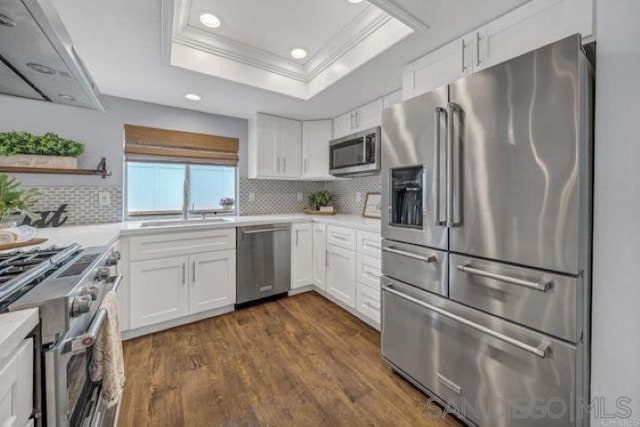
(162, 145)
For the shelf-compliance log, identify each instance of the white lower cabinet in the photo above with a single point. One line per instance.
(16, 386)
(320, 256)
(212, 280)
(159, 290)
(368, 302)
(301, 255)
(170, 288)
(341, 275)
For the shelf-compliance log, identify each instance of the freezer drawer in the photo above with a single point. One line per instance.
(544, 301)
(493, 372)
(417, 265)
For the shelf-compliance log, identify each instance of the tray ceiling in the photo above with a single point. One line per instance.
(253, 44)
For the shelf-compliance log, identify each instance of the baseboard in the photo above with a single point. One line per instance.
(302, 290)
(145, 330)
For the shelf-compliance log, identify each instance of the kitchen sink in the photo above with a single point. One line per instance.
(177, 222)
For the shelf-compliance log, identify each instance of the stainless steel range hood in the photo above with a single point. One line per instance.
(37, 57)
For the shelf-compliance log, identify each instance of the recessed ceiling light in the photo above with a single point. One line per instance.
(41, 68)
(193, 97)
(355, 1)
(210, 20)
(67, 97)
(299, 53)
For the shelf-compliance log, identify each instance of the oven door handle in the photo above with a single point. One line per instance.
(86, 340)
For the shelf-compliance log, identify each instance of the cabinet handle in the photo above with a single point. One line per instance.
(352, 126)
(297, 231)
(193, 277)
(184, 273)
(284, 164)
(357, 119)
(478, 61)
(464, 47)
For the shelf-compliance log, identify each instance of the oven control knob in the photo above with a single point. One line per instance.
(103, 273)
(92, 291)
(81, 305)
(113, 258)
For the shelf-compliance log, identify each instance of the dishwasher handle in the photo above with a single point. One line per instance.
(264, 230)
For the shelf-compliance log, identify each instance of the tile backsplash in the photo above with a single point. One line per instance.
(257, 197)
(345, 193)
(83, 204)
(266, 196)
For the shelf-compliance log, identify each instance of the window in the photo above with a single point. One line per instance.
(159, 188)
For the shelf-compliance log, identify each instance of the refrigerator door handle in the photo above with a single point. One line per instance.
(542, 285)
(437, 173)
(540, 351)
(452, 110)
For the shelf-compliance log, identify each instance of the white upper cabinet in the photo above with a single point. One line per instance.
(290, 148)
(275, 147)
(362, 118)
(343, 125)
(533, 25)
(368, 116)
(446, 64)
(316, 135)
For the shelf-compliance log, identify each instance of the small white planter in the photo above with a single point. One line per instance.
(36, 161)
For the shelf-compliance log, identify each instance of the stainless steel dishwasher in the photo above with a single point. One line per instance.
(263, 261)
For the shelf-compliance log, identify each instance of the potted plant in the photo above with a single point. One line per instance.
(45, 151)
(320, 202)
(15, 200)
(227, 203)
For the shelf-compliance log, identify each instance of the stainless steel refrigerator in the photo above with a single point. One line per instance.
(487, 186)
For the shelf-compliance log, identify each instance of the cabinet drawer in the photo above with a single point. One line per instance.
(369, 244)
(368, 271)
(453, 347)
(368, 302)
(538, 299)
(173, 244)
(16, 386)
(341, 237)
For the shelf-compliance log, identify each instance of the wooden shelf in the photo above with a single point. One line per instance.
(101, 170)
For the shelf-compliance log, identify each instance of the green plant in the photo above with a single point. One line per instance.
(319, 199)
(14, 199)
(49, 144)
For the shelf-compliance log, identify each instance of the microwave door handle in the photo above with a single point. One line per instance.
(364, 149)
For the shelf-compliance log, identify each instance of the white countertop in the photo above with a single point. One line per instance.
(14, 327)
(105, 234)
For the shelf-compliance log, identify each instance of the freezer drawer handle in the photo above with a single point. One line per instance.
(430, 259)
(540, 351)
(541, 286)
(265, 230)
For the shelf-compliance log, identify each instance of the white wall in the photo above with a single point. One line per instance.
(616, 265)
(102, 132)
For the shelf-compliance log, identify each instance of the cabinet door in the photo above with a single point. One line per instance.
(315, 148)
(265, 146)
(16, 386)
(369, 116)
(290, 148)
(213, 280)
(438, 68)
(341, 275)
(159, 290)
(343, 125)
(302, 255)
(531, 26)
(320, 255)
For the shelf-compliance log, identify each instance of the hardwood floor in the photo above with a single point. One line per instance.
(298, 361)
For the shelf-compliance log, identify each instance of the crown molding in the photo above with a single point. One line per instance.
(402, 14)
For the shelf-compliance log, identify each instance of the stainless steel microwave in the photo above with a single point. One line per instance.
(357, 154)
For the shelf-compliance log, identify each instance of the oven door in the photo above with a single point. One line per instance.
(72, 399)
(355, 154)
